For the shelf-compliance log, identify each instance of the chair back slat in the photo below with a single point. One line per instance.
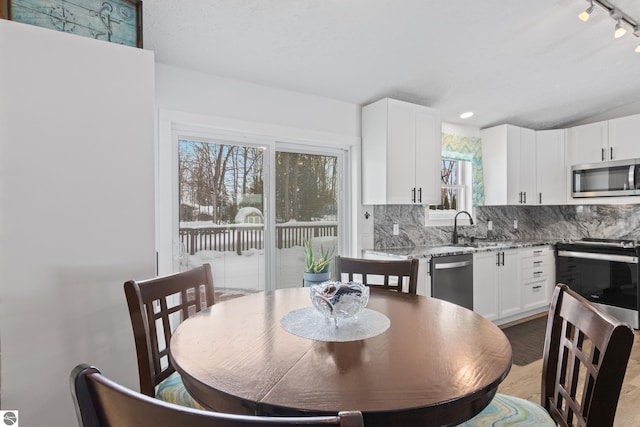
(399, 276)
(100, 402)
(585, 359)
(156, 306)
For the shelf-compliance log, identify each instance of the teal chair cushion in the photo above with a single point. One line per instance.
(172, 390)
(504, 411)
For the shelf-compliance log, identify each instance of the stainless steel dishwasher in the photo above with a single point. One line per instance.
(452, 279)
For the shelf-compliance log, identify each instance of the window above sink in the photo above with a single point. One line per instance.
(456, 193)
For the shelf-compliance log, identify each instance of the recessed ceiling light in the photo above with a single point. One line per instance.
(466, 115)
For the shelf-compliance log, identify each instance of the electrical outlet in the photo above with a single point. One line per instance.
(396, 229)
(515, 224)
(489, 225)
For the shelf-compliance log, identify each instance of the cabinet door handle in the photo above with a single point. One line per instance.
(420, 195)
(603, 154)
(413, 195)
(537, 262)
(540, 198)
(502, 258)
(537, 272)
(498, 259)
(520, 194)
(537, 287)
(611, 153)
(525, 197)
(537, 252)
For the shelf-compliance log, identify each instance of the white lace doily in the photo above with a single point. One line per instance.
(309, 323)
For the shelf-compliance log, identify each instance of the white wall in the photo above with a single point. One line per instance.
(76, 212)
(191, 91)
(461, 130)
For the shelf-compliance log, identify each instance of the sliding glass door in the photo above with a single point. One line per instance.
(221, 212)
(307, 187)
(248, 210)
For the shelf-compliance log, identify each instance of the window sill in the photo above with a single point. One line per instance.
(443, 218)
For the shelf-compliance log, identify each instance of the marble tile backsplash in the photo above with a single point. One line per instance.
(568, 222)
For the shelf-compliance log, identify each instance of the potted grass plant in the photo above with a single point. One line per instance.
(316, 267)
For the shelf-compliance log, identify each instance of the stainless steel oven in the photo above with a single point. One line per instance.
(605, 272)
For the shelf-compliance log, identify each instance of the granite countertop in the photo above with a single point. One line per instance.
(442, 250)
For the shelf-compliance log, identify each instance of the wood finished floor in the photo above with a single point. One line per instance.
(524, 381)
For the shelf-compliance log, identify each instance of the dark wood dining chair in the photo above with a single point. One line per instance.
(400, 275)
(584, 362)
(156, 307)
(100, 402)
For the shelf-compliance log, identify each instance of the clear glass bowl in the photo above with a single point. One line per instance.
(337, 300)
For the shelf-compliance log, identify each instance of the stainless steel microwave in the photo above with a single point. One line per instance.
(616, 178)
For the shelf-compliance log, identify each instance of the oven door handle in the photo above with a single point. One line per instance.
(603, 257)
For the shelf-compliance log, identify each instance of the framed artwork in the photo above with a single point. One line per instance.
(116, 21)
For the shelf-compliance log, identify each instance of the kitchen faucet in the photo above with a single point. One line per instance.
(454, 238)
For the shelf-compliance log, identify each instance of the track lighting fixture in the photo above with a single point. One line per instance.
(619, 30)
(622, 19)
(584, 16)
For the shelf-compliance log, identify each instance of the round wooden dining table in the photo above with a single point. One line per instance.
(437, 363)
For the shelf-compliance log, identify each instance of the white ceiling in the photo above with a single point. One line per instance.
(523, 62)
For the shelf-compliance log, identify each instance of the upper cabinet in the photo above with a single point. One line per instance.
(550, 167)
(508, 163)
(401, 149)
(624, 135)
(588, 144)
(615, 139)
(522, 166)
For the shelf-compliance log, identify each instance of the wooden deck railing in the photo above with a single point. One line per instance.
(242, 237)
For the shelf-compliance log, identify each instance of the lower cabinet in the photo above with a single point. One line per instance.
(510, 295)
(534, 294)
(424, 277)
(485, 284)
(496, 283)
(538, 276)
(514, 283)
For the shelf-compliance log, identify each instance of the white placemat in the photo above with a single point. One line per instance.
(308, 323)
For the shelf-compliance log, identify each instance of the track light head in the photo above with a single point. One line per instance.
(619, 30)
(584, 16)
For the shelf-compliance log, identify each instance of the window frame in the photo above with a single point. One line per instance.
(434, 217)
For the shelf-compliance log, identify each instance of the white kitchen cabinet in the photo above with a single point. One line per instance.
(485, 284)
(623, 138)
(509, 286)
(538, 276)
(401, 150)
(496, 283)
(588, 144)
(424, 277)
(551, 172)
(509, 166)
